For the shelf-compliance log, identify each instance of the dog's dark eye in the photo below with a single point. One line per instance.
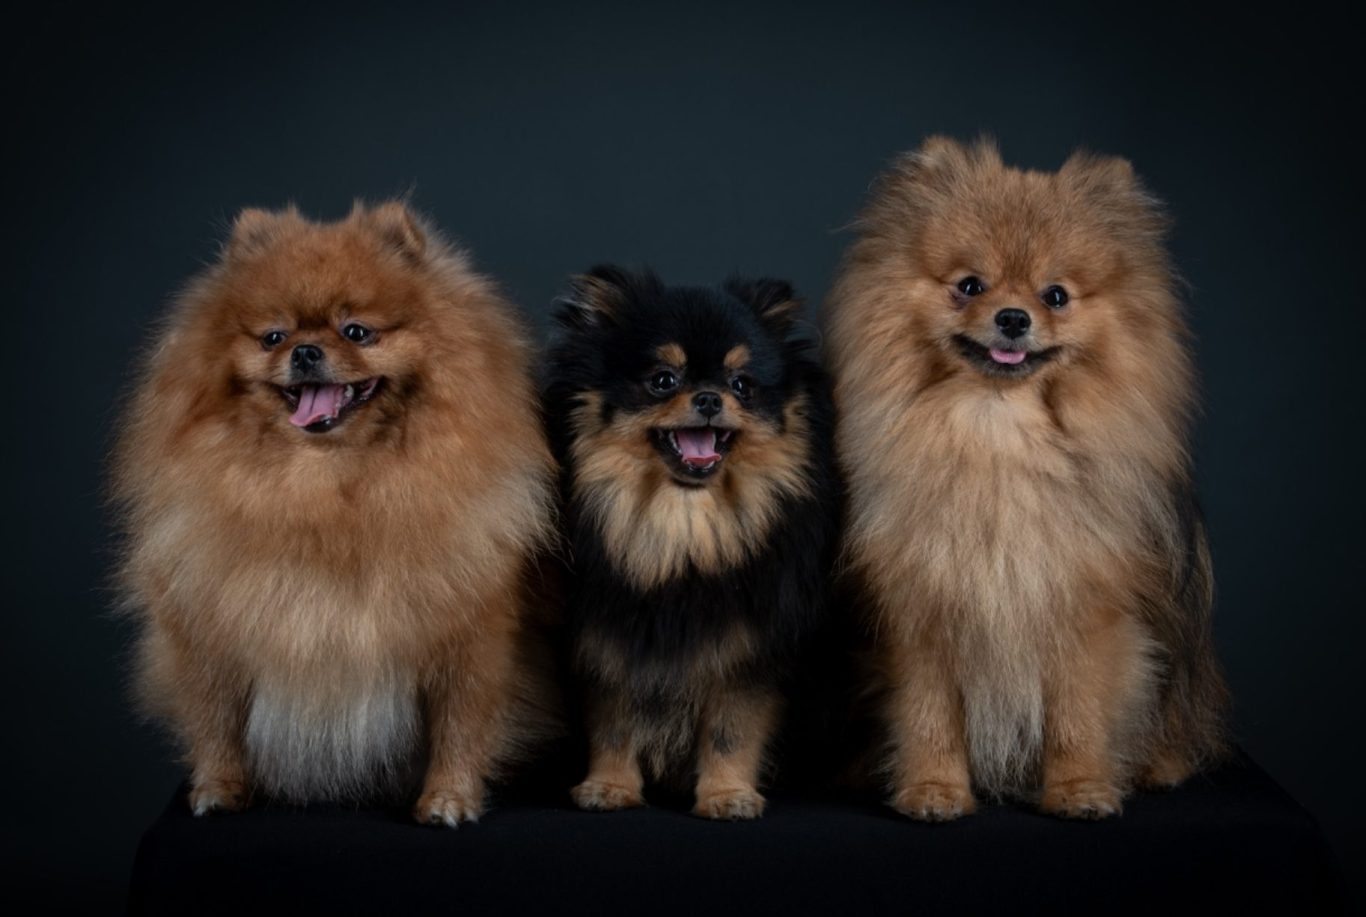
(971, 286)
(273, 339)
(356, 333)
(742, 386)
(663, 382)
(1055, 297)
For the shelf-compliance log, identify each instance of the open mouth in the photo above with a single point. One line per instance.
(319, 408)
(1006, 363)
(693, 454)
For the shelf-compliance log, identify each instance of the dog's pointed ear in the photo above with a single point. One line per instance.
(1111, 183)
(594, 297)
(942, 158)
(939, 152)
(1097, 172)
(395, 225)
(773, 301)
(933, 171)
(254, 229)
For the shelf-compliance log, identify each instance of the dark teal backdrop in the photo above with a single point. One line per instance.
(700, 138)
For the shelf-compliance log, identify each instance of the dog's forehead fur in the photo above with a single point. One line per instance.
(1033, 230)
(704, 326)
(312, 274)
(953, 209)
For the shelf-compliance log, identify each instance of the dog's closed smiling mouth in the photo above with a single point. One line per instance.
(1010, 364)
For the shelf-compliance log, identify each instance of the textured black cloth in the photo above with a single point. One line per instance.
(1225, 841)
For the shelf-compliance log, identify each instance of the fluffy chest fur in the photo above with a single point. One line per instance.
(295, 599)
(682, 585)
(985, 507)
(993, 532)
(653, 530)
(295, 564)
(328, 597)
(330, 650)
(655, 534)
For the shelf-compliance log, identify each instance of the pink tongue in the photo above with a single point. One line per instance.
(316, 402)
(697, 445)
(1008, 356)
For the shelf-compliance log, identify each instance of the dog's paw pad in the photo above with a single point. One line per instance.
(935, 802)
(601, 796)
(731, 805)
(447, 807)
(1085, 799)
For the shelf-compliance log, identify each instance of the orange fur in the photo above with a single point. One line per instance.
(1041, 589)
(316, 609)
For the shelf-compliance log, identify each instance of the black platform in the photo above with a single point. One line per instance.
(1229, 840)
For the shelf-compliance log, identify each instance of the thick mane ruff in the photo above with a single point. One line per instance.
(655, 531)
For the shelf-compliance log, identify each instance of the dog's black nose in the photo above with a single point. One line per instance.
(708, 404)
(1012, 322)
(305, 357)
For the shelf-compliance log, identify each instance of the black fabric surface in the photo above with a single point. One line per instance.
(1228, 840)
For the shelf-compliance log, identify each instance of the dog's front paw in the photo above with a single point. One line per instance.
(934, 801)
(214, 795)
(1088, 799)
(735, 804)
(448, 807)
(601, 796)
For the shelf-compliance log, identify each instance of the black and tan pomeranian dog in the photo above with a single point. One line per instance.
(1015, 387)
(695, 433)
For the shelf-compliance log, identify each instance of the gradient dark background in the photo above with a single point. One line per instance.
(700, 140)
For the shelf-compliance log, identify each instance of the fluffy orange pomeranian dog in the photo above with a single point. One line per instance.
(334, 482)
(1014, 390)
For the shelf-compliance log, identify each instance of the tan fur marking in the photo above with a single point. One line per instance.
(671, 355)
(614, 778)
(652, 527)
(735, 729)
(737, 358)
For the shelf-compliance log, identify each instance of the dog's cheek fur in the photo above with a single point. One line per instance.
(302, 609)
(1031, 529)
(653, 529)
